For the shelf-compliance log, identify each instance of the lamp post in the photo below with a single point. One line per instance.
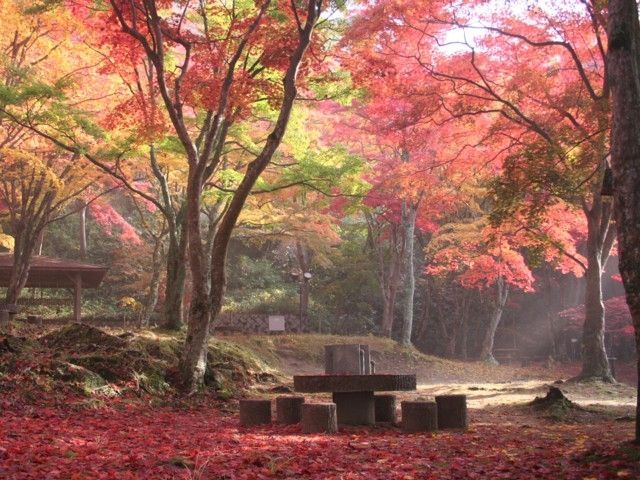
(303, 279)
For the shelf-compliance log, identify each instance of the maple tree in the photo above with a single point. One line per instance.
(552, 145)
(218, 74)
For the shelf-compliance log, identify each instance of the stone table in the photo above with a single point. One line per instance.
(353, 394)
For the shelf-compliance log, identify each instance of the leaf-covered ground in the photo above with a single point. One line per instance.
(132, 439)
(79, 403)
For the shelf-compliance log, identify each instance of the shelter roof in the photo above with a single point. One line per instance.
(51, 272)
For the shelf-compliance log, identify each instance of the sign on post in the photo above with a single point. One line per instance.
(276, 323)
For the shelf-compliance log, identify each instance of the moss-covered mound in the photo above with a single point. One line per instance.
(90, 361)
(80, 337)
(555, 405)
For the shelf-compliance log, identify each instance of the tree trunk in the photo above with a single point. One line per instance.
(19, 273)
(391, 282)
(83, 231)
(502, 292)
(175, 282)
(600, 237)
(26, 238)
(464, 339)
(151, 299)
(409, 224)
(40, 243)
(594, 355)
(624, 75)
(388, 270)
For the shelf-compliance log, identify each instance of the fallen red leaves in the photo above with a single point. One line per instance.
(138, 441)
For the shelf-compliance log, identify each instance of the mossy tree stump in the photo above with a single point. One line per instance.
(254, 412)
(385, 406)
(289, 409)
(452, 411)
(419, 416)
(319, 418)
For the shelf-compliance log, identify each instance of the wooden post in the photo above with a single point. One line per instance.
(77, 297)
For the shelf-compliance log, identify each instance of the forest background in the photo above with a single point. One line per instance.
(441, 174)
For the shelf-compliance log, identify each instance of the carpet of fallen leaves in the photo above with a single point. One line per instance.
(134, 439)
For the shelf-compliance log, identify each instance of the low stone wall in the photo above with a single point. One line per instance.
(256, 323)
(226, 322)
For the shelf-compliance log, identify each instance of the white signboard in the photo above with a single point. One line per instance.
(276, 323)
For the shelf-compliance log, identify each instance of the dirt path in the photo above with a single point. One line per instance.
(487, 385)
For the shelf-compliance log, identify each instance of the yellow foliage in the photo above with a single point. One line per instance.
(7, 242)
(27, 170)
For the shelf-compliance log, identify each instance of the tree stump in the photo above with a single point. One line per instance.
(319, 417)
(419, 416)
(255, 412)
(289, 408)
(452, 411)
(385, 408)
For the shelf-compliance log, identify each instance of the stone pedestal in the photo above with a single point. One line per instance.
(385, 408)
(289, 409)
(452, 411)
(319, 418)
(419, 416)
(255, 412)
(355, 408)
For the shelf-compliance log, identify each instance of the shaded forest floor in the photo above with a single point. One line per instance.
(112, 414)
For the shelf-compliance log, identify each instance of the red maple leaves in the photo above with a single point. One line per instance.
(135, 441)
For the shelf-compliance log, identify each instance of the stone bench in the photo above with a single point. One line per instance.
(255, 412)
(385, 406)
(319, 418)
(419, 416)
(289, 409)
(452, 411)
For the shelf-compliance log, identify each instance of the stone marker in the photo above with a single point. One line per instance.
(255, 412)
(419, 416)
(289, 408)
(353, 359)
(452, 411)
(319, 417)
(385, 408)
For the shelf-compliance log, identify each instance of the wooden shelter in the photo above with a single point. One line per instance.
(50, 272)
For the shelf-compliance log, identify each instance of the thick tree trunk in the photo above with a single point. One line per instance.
(502, 292)
(594, 355)
(175, 282)
(600, 237)
(409, 213)
(624, 76)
